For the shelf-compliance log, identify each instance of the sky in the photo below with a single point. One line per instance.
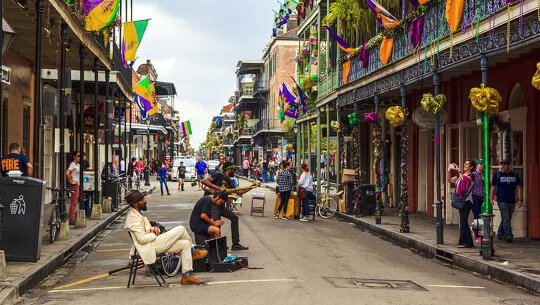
(196, 45)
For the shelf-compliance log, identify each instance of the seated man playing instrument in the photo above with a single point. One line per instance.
(149, 241)
(200, 221)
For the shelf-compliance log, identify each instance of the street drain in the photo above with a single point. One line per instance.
(340, 282)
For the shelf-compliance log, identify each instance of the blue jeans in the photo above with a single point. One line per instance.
(271, 176)
(265, 175)
(477, 206)
(505, 228)
(161, 182)
(305, 204)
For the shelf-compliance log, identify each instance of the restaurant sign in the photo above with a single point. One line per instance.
(427, 120)
(6, 75)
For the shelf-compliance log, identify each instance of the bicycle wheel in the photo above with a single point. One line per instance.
(327, 207)
(170, 263)
(54, 224)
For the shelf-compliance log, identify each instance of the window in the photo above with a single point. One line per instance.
(4, 127)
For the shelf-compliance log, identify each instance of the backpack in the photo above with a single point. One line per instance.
(458, 203)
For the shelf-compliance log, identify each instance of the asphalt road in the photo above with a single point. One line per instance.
(320, 262)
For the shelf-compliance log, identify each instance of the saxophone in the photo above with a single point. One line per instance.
(232, 191)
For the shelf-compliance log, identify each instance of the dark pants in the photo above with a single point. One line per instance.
(505, 228)
(284, 201)
(245, 172)
(161, 182)
(305, 204)
(477, 206)
(465, 237)
(218, 212)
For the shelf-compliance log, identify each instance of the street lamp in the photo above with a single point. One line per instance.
(295, 128)
(147, 169)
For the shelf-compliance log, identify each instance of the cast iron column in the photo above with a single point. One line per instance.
(130, 130)
(486, 249)
(146, 169)
(107, 129)
(378, 207)
(1, 83)
(438, 202)
(124, 134)
(308, 126)
(62, 94)
(96, 128)
(82, 55)
(327, 167)
(36, 155)
(318, 156)
(338, 151)
(403, 199)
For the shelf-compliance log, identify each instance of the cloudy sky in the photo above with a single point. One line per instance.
(196, 44)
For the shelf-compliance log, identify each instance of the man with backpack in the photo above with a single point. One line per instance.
(505, 184)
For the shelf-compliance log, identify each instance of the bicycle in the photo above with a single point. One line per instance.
(326, 205)
(56, 213)
(138, 178)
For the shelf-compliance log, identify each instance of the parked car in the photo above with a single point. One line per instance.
(212, 165)
(190, 169)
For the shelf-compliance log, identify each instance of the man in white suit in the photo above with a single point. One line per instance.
(149, 241)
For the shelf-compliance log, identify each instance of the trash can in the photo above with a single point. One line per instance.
(350, 196)
(112, 191)
(367, 203)
(21, 218)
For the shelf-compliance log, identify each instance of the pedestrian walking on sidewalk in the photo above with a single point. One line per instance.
(464, 191)
(72, 174)
(478, 196)
(181, 175)
(162, 176)
(284, 187)
(202, 169)
(305, 190)
(245, 168)
(505, 185)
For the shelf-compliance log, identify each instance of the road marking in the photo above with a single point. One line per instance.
(454, 286)
(114, 250)
(93, 278)
(249, 281)
(103, 288)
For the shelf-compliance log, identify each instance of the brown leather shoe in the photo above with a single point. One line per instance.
(198, 254)
(190, 280)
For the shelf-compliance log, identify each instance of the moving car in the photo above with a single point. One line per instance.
(190, 169)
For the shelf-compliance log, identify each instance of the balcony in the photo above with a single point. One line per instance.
(269, 125)
(402, 47)
(328, 84)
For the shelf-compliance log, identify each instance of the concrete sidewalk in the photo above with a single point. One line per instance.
(516, 263)
(22, 276)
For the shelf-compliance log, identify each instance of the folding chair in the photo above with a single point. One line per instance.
(257, 209)
(137, 263)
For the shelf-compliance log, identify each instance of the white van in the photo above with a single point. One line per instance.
(190, 169)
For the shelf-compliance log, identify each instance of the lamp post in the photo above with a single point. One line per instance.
(37, 157)
(147, 169)
(6, 36)
(296, 148)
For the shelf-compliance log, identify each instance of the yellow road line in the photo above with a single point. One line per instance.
(114, 250)
(97, 277)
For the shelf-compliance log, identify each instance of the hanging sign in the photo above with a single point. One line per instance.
(6, 75)
(426, 120)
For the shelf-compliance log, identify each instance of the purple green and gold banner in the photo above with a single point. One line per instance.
(99, 13)
(133, 34)
(186, 128)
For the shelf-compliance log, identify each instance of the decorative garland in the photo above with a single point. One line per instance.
(431, 104)
(404, 195)
(485, 99)
(536, 77)
(356, 165)
(395, 115)
(377, 140)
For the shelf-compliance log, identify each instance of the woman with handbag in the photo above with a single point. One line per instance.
(464, 187)
(305, 190)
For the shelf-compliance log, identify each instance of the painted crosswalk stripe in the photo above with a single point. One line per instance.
(456, 286)
(249, 281)
(113, 250)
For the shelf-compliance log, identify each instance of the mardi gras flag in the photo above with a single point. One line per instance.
(99, 13)
(382, 15)
(292, 107)
(133, 34)
(302, 96)
(419, 2)
(281, 107)
(186, 128)
(342, 44)
(143, 95)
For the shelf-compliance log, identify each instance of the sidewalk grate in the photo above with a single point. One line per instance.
(340, 282)
(444, 256)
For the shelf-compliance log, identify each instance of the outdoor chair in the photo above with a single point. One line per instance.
(257, 209)
(136, 263)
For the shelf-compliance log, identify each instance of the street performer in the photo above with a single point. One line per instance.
(149, 241)
(221, 181)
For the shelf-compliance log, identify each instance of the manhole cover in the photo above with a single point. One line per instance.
(341, 282)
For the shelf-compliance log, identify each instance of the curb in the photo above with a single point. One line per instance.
(486, 268)
(11, 292)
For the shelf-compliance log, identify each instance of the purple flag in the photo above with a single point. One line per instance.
(415, 31)
(302, 96)
(88, 5)
(289, 97)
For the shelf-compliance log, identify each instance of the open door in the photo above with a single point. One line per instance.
(452, 156)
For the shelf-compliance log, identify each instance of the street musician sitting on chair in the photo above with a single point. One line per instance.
(221, 181)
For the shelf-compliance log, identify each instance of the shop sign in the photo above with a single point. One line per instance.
(426, 120)
(6, 75)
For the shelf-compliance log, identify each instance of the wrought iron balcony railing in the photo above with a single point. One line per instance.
(268, 125)
(433, 28)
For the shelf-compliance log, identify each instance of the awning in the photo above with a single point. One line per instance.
(143, 129)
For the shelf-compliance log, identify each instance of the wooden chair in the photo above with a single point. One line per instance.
(257, 209)
(136, 263)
